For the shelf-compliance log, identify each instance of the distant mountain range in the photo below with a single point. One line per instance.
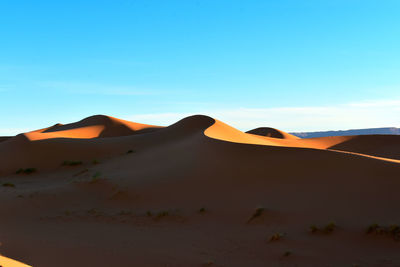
(387, 130)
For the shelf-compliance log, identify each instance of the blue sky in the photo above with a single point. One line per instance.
(294, 65)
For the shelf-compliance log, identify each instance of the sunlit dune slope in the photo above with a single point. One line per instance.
(92, 127)
(7, 262)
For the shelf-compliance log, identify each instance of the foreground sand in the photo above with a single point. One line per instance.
(107, 192)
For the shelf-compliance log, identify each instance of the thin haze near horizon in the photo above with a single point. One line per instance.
(293, 65)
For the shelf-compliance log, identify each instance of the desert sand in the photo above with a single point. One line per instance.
(109, 192)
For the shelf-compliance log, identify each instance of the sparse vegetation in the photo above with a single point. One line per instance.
(372, 228)
(95, 177)
(95, 161)
(8, 185)
(313, 229)
(287, 253)
(116, 194)
(130, 151)
(92, 211)
(83, 171)
(202, 210)
(276, 237)
(392, 230)
(124, 212)
(162, 214)
(330, 227)
(26, 171)
(71, 163)
(258, 212)
(209, 263)
(159, 215)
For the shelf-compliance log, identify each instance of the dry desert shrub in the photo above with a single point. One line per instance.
(258, 212)
(392, 230)
(276, 237)
(26, 171)
(72, 163)
(327, 229)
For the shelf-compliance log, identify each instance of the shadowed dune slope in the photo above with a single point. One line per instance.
(387, 146)
(271, 132)
(4, 138)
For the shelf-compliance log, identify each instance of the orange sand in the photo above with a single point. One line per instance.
(7, 262)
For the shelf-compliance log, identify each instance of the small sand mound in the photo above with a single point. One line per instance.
(271, 132)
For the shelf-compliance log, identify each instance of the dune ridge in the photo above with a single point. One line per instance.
(102, 136)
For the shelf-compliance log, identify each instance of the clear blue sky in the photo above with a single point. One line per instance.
(248, 63)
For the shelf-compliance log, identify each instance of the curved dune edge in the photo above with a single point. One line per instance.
(86, 132)
(224, 132)
(90, 127)
(7, 262)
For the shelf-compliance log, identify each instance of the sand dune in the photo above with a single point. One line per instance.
(187, 195)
